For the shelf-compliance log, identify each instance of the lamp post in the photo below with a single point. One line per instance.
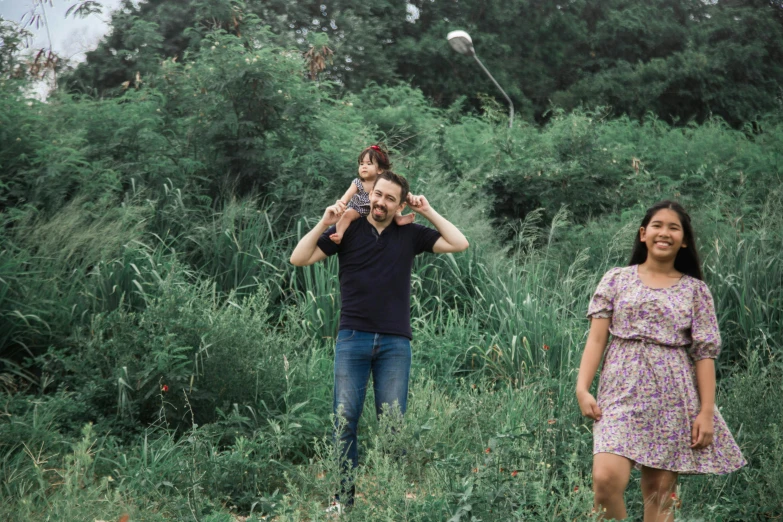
(460, 41)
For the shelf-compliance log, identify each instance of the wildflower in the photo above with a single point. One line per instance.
(164, 388)
(514, 473)
(488, 450)
(576, 488)
(546, 347)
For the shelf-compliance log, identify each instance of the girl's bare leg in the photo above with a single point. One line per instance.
(407, 219)
(658, 489)
(611, 474)
(349, 217)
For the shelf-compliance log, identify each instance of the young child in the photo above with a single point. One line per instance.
(372, 161)
(656, 395)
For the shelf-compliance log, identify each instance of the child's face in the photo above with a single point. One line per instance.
(664, 235)
(368, 169)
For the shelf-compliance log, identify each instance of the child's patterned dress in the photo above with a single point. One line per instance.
(647, 392)
(360, 201)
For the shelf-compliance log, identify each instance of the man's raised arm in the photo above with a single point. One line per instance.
(451, 239)
(307, 252)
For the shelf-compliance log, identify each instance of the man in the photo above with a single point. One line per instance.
(376, 259)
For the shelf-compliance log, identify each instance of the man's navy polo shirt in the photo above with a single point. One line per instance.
(375, 274)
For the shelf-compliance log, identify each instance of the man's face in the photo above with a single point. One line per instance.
(385, 201)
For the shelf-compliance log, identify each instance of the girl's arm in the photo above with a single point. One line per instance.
(351, 192)
(703, 351)
(703, 426)
(591, 359)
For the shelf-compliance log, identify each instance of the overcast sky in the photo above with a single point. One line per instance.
(71, 37)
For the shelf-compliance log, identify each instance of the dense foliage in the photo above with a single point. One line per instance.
(683, 60)
(161, 357)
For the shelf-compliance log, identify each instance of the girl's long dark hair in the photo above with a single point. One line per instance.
(687, 260)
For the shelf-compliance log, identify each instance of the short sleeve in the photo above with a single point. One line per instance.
(705, 334)
(326, 245)
(424, 238)
(602, 303)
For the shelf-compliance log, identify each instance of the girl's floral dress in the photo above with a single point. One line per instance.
(647, 391)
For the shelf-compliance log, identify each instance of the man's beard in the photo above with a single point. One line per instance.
(384, 211)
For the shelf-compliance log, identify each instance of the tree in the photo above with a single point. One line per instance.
(682, 60)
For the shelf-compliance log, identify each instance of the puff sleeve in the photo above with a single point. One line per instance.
(705, 334)
(602, 303)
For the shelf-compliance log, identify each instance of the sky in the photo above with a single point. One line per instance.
(71, 37)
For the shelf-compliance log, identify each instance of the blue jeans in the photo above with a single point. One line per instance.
(357, 354)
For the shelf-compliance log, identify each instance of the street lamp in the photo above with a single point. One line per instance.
(460, 41)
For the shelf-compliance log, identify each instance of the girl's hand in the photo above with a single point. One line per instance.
(589, 406)
(703, 430)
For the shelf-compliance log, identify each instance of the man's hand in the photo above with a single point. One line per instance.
(333, 213)
(307, 252)
(418, 204)
(451, 240)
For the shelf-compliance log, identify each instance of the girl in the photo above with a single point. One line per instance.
(372, 161)
(656, 396)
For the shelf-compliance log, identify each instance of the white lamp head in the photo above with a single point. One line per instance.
(460, 41)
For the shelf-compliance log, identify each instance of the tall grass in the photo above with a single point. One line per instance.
(744, 266)
(238, 248)
(161, 357)
(493, 430)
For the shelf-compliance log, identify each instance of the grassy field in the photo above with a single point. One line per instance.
(161, 358)
(493, 431)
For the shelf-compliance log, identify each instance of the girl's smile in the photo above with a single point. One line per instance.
(664, 235)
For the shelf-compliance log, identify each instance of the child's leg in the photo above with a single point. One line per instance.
(659, 496)
(611, 474)
(349, 216)
(407, 219)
